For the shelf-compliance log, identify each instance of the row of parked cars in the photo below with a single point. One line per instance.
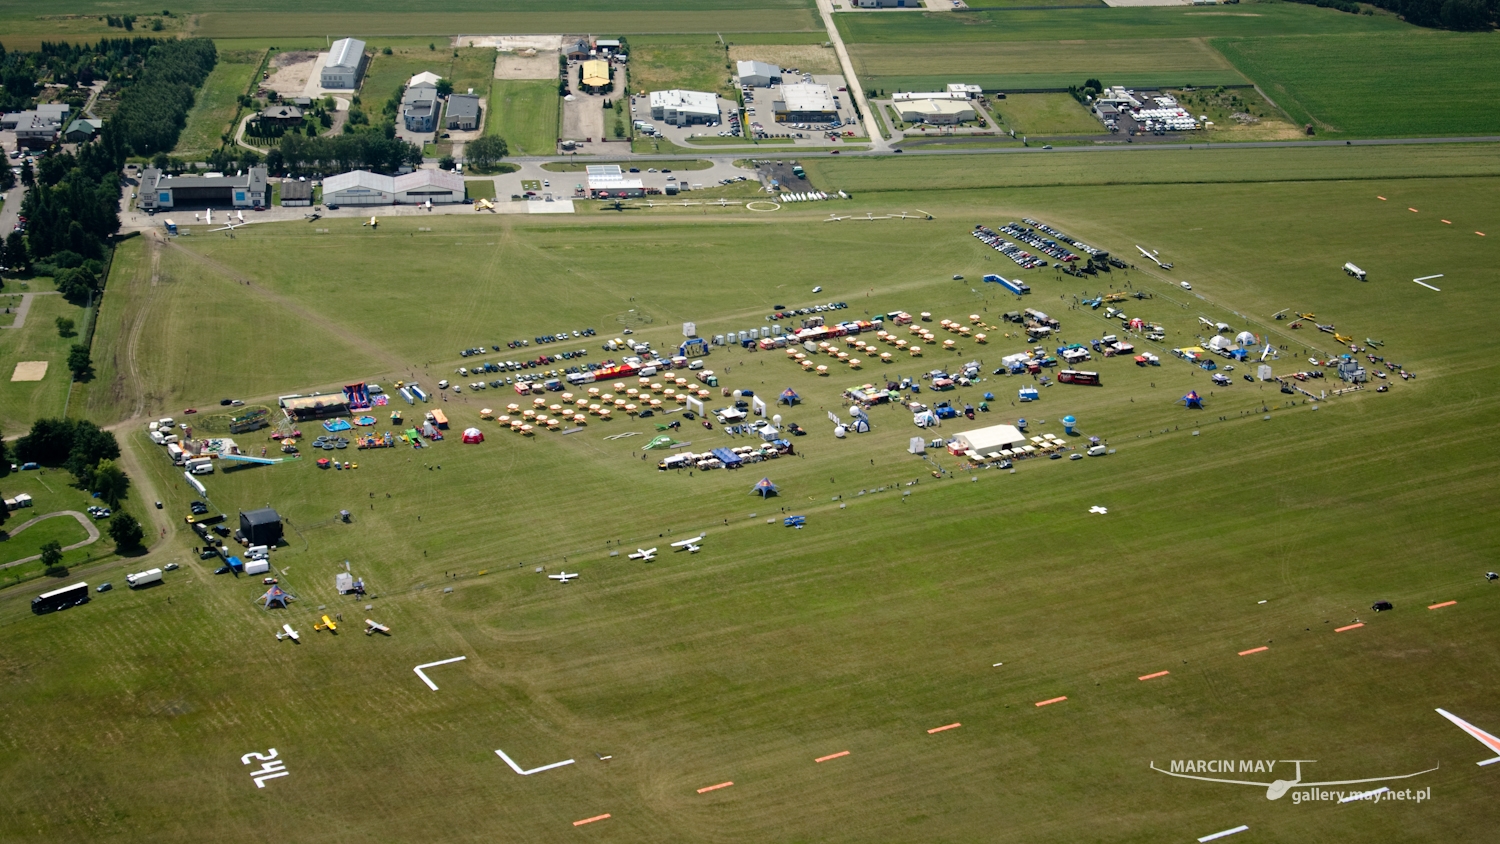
(1048, 247)
(781, 311)
(1025, 260)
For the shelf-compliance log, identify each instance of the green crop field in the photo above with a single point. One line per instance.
(1008, 66)
(524, 113)
(965, 603)
(217, 103)
(1327, 80)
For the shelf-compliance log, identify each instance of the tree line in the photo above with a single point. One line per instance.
(153, 107)
(301, 155)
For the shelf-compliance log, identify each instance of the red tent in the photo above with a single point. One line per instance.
(473, 435)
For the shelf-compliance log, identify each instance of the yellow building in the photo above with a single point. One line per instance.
(596, 74)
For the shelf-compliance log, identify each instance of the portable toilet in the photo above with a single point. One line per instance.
(718, 339)
(775, 331)
(1069, 424)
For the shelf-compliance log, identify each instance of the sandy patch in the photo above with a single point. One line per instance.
(808, 58)
(30, 370)
(527, 64)
(511, 42)
(290, 73)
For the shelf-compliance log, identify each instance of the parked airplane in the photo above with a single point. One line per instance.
(1153, 257)
(481, 205)
(327, 625)
(644, 554)
(689, 545)
(241, 215)
(313, 217)
(289, 634)
(373, 223)
(372, 626)
(564, 577)
(231, 226)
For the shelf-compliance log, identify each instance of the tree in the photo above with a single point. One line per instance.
(90, 446)
(28, 176)
(52, 555)
(110, 481)
(79, 362)
(619, 128)
(126, 532)
(65, 327)
(446, 163)
(484, 152)
(4, 515)
(16, 256)
(444, 87)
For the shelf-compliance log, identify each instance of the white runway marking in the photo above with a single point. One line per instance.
(430, 684)
(525, 773)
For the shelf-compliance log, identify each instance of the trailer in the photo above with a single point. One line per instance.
(144, 578)
(1076, 376)
(1356, 272)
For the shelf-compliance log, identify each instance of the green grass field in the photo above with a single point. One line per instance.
(879, 621)
(1009, 66)
(23, 401)
(472, 67)
(524, 113)
(1327, 80)
(1045, 114)
(694, 67)
(217, 103)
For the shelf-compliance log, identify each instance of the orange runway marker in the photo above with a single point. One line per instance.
(1449, 222)
(1381, 198)
(952, 726)
(831, 756)
(590, 820)
(1054, 700)
(1154, 676)
(1413, 210)
(1443, 604)
(1481, 234)
(1348, 627)
(714, 787)
(1254, 650)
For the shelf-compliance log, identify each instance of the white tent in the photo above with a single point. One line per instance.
(1219, 342)
(1245, 338)
(992, 438)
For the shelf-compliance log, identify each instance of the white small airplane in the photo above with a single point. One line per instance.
(241, 215)
(210, 219)
(427, 205)
(231, 226)
(834, 218)
(289, 634)
(564, 577)
(689, 545)
(372, 626)
(644, 554)
(1490, 743)
(1153, 257)
(373, 223)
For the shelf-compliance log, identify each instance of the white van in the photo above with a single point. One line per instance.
(258, 552)
(201, 466)
(1097, 451)
(156, 437)
(170, 438)
(697, 364)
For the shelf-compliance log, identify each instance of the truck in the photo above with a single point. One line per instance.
(1356, 272)
(1075, 376)
(1016, 287)
(798, 171)
(144, 578)
(61, 599)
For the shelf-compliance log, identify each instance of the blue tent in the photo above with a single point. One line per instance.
(765, 488)
(789, 397)
(1192, 400)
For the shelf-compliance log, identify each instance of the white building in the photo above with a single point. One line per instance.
(910, 96)
(359, 187)
(991, 439)
(608, 181)
(754, 74)
(969, 91)
(684, 108)
(805, 102)
(419, 186)
(936, 112)
(346, 61)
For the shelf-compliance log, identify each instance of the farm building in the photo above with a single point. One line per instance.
(607, 45)
(805, 103)
(82, 129)
(261, 527)
(993, 438)
(753, 74)
(463, 112)
(160, 191)
(595, 76)
(577, 50)
(936, 112)
(359, 187)
(298, 192)
(436, 186)
(608, 180)
(419, 103)
(684, 108)
(346, 62)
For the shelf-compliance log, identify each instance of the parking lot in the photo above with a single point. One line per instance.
(761, 122)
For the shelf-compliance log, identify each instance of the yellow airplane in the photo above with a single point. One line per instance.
(327, 625)
(484, 205)
(1342, 339)
(373, 223)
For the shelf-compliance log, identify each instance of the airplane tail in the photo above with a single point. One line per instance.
(1490, 742)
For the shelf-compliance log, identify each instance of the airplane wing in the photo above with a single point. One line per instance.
(686, 542)
(1208, 779)
(1484, 738)
(1370, 779)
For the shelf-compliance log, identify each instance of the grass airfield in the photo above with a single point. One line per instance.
(880, 620)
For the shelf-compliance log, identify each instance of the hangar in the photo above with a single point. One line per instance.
(161, 191)
(805, 103)
(936, 112)
(346, 62)
(684, 108)
(359, 187)
(435, 186)
(754, 74)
